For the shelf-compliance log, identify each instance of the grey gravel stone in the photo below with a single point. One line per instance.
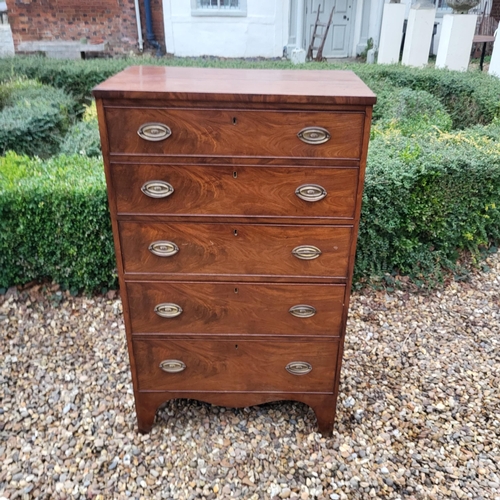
(420, 378)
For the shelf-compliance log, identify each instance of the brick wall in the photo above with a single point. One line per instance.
(495, 10)
(111, 21)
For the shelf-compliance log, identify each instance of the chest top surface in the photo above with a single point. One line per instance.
(248, 85)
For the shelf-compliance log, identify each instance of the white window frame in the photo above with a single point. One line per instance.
(241, 11)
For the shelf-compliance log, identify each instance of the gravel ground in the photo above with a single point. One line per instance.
(419, 409)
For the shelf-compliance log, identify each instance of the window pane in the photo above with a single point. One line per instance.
(218, 4)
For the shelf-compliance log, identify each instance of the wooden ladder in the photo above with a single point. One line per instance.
(321, 37)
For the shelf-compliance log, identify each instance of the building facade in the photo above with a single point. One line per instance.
(222, 28)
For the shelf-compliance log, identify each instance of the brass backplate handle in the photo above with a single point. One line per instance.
(298, 367)
(157, 189)
(306, 252)
(168, 310)
(314, 135)
(302, 311)
(311, 192)
(163, 248)
(172, 366)
(154, 132)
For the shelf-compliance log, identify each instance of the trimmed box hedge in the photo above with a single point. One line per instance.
(33, 118)
(426, 198)
(469, 97)
(430, 192)
(54, 222)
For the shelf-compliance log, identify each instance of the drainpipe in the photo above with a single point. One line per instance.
(150, 36)
(139, 26)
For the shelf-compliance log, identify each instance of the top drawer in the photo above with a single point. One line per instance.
(222, 132)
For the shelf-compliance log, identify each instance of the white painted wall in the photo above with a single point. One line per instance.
(263, 32)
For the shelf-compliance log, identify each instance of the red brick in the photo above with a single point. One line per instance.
(111, 21)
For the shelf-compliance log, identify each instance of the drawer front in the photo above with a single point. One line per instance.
(235, 249)
(237, 365)
(238, 190)
(219, 132)
(235, 308)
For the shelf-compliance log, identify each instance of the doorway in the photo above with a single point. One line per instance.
(339, 36)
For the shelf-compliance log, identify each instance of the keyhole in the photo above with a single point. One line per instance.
(234, 120)
(236, 346)
(235, 174)
(235, 232)
(235, 290)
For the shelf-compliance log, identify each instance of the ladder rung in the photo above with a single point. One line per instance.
(322, 24)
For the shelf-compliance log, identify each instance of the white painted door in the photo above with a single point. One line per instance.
(338, 40)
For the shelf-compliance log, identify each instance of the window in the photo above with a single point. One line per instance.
(218, 7)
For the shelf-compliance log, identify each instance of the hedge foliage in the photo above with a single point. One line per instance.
(469, 97)
(410, 112)
(83, 136)
(432, 190)
(425, 198)
(34, 117)
(54, 222)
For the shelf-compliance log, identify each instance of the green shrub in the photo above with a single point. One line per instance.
(54, 222)
(410, 112)
(469, 97)
(34, 118)
(5, 91)
(83, 136)
(83, 139)
(426, 198)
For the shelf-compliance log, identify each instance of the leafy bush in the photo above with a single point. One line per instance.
(469, 97)
(83, 137)
(54, 222)
(427, 195)
(5, 91)
(426, 198)
(410, 112)
(34, 118)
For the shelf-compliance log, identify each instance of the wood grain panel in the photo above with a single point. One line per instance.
(235, 249)
(235, 190)
(235, 365)
(237, 85)
(223, 132)
(236, 308)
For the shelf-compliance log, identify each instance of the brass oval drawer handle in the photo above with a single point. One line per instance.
(168, 310)
(157, 189)
(163, 248)
(314, 135)
(298, 367)
(154, 132)
(311, 192)
(172, 366)
(306, 252)
(302, 311)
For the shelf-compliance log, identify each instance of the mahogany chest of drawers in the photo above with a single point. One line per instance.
(235, 198)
